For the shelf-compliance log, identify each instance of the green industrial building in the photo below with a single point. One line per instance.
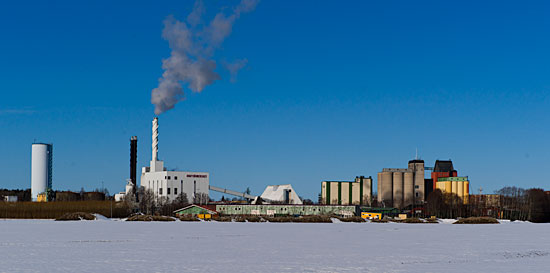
(195, 210)
(358, 192)
(280, 210)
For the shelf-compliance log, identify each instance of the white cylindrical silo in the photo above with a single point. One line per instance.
(41, 168)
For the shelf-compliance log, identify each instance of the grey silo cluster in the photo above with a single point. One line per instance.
(401, 187)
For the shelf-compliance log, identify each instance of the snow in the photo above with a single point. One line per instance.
(100, 217)
(118, 246)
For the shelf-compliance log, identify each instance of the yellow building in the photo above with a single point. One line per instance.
(358, 192)
(371, 215)
(42, 197)
(459, 186)
(204, 216)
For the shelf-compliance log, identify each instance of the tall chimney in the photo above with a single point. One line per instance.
(155, 139)
(133, 159)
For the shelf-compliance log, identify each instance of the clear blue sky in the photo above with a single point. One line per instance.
(332, 90)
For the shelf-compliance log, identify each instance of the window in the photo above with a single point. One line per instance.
(416, 186)
(160, 191)
(175, 191)
(168, 191)
(175, 178)
(417, 194)
(168, 177)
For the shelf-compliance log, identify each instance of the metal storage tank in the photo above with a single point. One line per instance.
(454, 188)
(367, 191)
(378, 186)
(448, 187)
(460, 189)
(387, 188)
(356, 193)
(466, 192)
(324, 193)
(419, 182)
(344, 193)
(408, 188)
(41, 168)
(334, 193)
(397, 189)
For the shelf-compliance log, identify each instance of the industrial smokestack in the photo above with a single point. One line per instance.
(133, 160)
(155, 139)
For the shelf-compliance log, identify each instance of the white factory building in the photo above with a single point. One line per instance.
(171, 184)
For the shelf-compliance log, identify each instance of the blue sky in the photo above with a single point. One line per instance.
(331, 90)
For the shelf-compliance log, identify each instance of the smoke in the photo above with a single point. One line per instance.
(234, 68)
(191, 61)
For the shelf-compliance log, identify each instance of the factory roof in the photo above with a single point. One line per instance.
(443, 166)
(395, 170)
(196, 206)
(460, 178)
(416, 161)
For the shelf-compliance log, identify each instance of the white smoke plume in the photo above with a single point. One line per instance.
(193, 44)
(234, 68)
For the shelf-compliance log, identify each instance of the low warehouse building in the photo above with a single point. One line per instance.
(202, 212)
(280, 210)
(371, 215)
(390, 212)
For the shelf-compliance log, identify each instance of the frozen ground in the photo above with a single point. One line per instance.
(115, 246)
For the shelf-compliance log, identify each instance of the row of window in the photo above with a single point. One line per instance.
(168, 191)
(189, 175)
(303, 209)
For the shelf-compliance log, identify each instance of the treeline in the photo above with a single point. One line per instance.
(146, 202)
(52, 210)
(22, 195)
(508, 203)
(25, 195)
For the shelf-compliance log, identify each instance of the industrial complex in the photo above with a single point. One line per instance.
(399, 192)
(170, 184)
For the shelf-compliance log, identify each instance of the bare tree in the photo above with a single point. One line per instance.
(201, 199)
(147, 202)
(181, 200)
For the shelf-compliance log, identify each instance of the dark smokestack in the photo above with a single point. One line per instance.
(133, 159)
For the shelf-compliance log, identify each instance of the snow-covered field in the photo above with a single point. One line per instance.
(116, 246)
